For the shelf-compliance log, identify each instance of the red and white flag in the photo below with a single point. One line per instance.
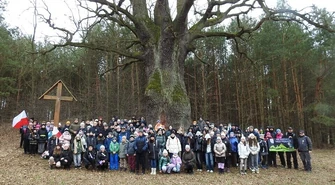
(20, 120)
(55, 132)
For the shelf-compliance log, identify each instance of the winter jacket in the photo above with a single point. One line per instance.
(90, 156)
(130, 149)
(65, 138)
(254, 149)
(78, 147)
(304, 144)
(33, 138)
(141, 144)
(173, 145)
(91, 140)
(114, 147)
(126, 133)
(176, 160)
(153, 150)
(263, 147)
(68, 155)
(227, 143)
(199, 144)
(233, 144)
(74, 127)
(220, 150)
(161, 141)
(108, 141)
(56, 156)
(243, 150)
(188, 158)
(293, 137)
(43, 135)
(122, 150)
(52, 142)
(163, 161)
(102, 156)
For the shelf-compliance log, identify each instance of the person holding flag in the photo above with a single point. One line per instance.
(20, 122)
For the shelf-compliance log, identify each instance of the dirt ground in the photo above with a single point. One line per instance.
(18, 168)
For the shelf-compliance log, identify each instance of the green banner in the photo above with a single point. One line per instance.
(281, 145)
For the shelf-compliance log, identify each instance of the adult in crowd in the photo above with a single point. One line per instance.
(291, 135)
(304, 149)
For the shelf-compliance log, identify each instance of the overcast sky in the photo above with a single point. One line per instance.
(19, 13)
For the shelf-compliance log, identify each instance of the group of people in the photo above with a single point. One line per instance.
(130, 144)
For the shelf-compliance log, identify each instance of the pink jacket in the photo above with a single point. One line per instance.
(279, 135)
(176, 160)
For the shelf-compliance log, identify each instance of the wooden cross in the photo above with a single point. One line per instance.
(58, 98)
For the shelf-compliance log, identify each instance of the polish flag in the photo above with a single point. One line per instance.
(55, 132)
(20, 120)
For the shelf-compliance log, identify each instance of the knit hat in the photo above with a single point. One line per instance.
(251, 135)
(102, 147)
(165, 151)
(189, 134)
(278, 130)
(231, 134)
(187, 147)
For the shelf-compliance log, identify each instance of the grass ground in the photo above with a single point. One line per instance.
(17, 168)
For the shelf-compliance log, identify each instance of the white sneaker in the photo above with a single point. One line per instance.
(200, 170)
(207, 170)
(211, 171)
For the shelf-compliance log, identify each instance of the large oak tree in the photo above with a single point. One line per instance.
(163, 36)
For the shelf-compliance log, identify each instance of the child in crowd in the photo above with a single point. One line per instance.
(122, 153)
(243, 152)
(52, 142)
(220, 154)
(233, 143)
(54, 160)
(92, 140)
(78, 149)
(90, 157)
(164, 163)
(33, 139)
(188, 159)
(130, 152)
(102, 158)
(153, 154)
(176, 162)
(209, 153)
(199, 150)
(65, 138)
(66, 156)
(42, 138)
(254, 148)
(100, 140)
(114, 148)
(263, 151)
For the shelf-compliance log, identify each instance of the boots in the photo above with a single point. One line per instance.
(152, 171)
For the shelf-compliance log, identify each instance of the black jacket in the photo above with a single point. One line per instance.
(153, 150)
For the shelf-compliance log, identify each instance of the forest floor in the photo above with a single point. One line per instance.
(19, 168)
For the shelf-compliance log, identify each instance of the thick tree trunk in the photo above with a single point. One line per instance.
(165, 93)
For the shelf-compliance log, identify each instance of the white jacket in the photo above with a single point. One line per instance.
(243, 151)
(173, 145)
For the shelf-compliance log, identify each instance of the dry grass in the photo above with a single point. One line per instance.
(17, 168)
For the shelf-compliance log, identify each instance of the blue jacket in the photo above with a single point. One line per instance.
(304, 144)
(130, 148)
(233, 144)
(108, 141)
(126, 133)
(141, 144)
